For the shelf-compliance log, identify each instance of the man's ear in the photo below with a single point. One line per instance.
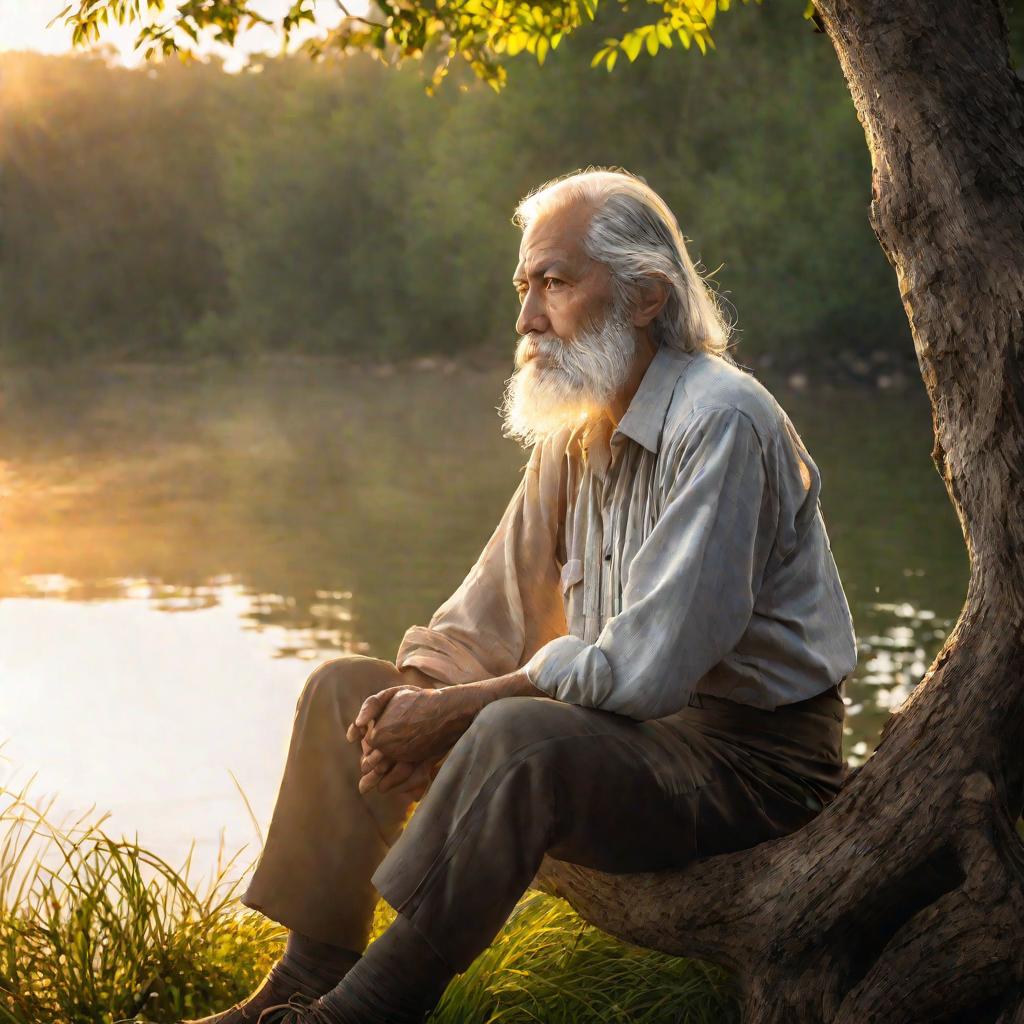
(653, 296)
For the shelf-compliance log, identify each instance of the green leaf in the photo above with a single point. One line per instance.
(631, 44)
(517, 41)
(57, 17)
(652, 43)
(612, 58)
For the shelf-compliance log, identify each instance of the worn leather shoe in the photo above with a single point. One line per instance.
(232, 1015)
(275, 990)
(298, 1010)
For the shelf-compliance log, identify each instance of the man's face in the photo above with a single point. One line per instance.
(575, 348)
(560, 288)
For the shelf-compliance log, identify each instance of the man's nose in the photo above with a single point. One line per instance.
(532, 317)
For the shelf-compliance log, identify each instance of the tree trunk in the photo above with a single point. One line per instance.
(904, 900)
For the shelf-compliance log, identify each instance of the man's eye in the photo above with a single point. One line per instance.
(553, 281)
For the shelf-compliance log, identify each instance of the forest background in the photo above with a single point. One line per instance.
(176, 211)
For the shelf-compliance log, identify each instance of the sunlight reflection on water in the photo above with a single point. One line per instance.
(117, 703)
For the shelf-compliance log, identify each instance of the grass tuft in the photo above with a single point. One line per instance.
(547, 966)
(96, 930)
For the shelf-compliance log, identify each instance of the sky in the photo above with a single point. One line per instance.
(24, 26)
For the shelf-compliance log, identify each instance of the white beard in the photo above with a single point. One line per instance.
(570, 382)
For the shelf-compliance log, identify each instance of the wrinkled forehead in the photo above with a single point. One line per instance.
(555, 236)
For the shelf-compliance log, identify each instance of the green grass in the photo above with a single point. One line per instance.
(547, 966)
(95, 930)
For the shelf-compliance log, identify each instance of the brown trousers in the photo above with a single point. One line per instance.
(530, 776)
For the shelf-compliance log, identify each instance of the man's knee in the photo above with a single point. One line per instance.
(514, 724)
(346, 681)
(517, 751)
(516, 716)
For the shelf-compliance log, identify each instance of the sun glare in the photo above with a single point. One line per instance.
(30, 25)
(26, 25)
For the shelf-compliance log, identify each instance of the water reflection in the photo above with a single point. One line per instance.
(324, 625)
(313, 631)
(892, 659)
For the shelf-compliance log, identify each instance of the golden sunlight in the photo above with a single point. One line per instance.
(35, 25)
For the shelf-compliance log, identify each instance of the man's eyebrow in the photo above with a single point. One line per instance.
(560, 265)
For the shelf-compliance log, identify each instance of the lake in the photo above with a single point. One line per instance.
(183, 545)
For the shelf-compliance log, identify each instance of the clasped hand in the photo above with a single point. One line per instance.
(404, 731)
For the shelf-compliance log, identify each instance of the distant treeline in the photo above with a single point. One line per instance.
(334, 207)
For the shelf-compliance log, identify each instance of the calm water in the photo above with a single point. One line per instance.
(181, 548)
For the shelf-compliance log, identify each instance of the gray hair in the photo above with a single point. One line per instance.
(635, 234)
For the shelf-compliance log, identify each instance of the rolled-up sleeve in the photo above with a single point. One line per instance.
(509, 604)
(692, 584)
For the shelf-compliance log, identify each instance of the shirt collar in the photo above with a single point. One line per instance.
(643, 420)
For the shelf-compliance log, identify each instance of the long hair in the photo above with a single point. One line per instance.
(635, 234)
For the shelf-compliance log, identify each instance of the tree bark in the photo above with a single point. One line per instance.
(904, 900)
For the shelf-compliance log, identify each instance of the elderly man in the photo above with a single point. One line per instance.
(642, 668)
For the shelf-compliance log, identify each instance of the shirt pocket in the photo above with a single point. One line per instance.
(572, 573)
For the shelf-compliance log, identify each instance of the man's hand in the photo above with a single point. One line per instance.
(409, 778)
(416, 728)
(412, 678)
(404, 730)
(371, 709)
(405, 777)
(402, 777)
(420, 725)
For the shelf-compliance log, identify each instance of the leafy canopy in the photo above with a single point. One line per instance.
(481, 32)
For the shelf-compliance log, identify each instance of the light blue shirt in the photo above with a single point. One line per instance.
(682, 551)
